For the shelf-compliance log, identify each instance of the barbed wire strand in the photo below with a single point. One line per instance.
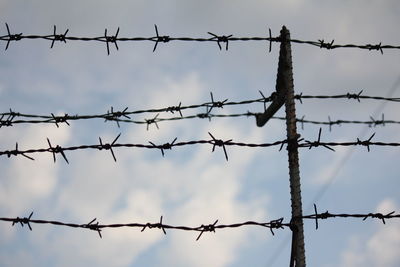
(371, 123)
(220, 40)
(95, 225)
(10, 118)
(301, 143)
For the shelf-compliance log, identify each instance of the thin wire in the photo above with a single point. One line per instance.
(10, 118)
(94, 225)
(218, 39)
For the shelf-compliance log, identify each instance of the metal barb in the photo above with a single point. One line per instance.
(108, 146)
(12, 37)
(221, 39)
(111, 39)
(58, 37)
(56, 149)
(158, 38)
(207, 228)
(218, 142)
(151, 121)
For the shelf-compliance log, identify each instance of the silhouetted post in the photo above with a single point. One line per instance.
(285, 95)
(286, 70)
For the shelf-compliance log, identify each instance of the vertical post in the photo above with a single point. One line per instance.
(285, 80)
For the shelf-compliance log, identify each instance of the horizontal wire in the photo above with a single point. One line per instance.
(327, 215)
(330, 123)
(301, 143)
(94, 225)
(220, 40)
(10, 118)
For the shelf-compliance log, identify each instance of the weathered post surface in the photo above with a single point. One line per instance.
(285, 95)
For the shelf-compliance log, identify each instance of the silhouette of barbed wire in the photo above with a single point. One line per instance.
(214, 142)
(94, 225)
(220, 40)
(272, 225)
(12, 117)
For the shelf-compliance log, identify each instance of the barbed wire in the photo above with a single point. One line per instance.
(327, 215)
(10, 118)
(168, 146)
(95, 225)
(220, 40)
(371, 123)
(109, 146)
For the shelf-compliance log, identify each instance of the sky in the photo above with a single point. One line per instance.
(191, 185)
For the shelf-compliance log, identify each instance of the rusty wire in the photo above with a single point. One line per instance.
(220, 40)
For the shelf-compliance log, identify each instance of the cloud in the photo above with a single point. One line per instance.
(381, 249)
(189, 186)
(24, 182)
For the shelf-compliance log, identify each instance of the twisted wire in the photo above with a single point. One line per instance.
(95, 225)
(222, 41)
(11, 118)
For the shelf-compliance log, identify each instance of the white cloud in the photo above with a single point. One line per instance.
(24, 181)
(381, 249)
(136, 189)
(190, 185)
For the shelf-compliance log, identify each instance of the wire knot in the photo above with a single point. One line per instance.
(158, 38)
(366, 143)
(93, 226)
(219, 142)
(164, 146)
(111, 39)
(58, 37)
(207, 228)
(12, 37)
(275, 224)
(215, 104)
(354, 96)
(108, 146)
(378, 122)
(23, 221)
(172, 109)
(55, 150)
(60, 119)
(318, 142)
(7, 122)
(328, 46)
(221, 39)
(299, 97)
(375, 47)
(115, 115)
(151, 121)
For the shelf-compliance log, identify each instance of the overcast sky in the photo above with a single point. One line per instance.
(191, 185)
